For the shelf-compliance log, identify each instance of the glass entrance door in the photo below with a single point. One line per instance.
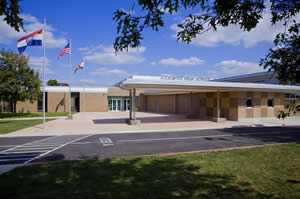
(116, 104)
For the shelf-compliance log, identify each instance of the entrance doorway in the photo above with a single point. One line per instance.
(118, 103)
(75, 102)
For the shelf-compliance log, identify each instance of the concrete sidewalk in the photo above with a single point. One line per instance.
(115, 122)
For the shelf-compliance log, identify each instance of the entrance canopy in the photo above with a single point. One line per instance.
(151, 84)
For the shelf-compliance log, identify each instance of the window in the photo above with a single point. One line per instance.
(249, 103)
(270, 102)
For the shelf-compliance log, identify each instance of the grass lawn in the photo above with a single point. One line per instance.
(13, 125)
(266, 172)
(36, 114)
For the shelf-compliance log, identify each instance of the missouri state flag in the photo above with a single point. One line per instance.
(32, 39)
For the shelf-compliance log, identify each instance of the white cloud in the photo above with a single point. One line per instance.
(36, 63)
(31, 23)
(88, 81)
(171, 61)
(106, 72)
(234, 67)
(106, 55)
(264, 32)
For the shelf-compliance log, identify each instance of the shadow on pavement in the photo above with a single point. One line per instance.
(134, 178)
(156, 119)
(267, 134)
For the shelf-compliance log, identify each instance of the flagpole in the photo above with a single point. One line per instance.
(70, 92)
(43, 71)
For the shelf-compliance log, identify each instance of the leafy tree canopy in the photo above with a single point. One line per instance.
(208, 15)
(52, 82)
(18, 82)
(10, 9)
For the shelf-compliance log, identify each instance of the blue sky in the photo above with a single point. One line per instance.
(227, 52)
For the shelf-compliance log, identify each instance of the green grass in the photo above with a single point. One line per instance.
(266, 172)
(36, 114)
(8, 126)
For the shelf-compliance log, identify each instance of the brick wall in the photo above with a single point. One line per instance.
(204, 105)
(26, 106)
(93, 102)
(58, 102)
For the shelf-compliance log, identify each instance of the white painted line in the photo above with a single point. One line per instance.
(67, 143)
(33, 148)
(20, 152)
(194, 137)
(17, 159)
(4, 146)
(88, 142)
(172, 138)
(28, 143)
(43, 145)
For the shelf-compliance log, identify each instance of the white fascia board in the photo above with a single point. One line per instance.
(157, 83)
(75, 89)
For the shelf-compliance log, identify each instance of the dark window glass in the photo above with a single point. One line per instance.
(270, 102)
(249, 102)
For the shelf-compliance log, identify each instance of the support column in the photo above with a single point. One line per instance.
(130, 110)
(218, 118)
(132, 118)
(218, 105)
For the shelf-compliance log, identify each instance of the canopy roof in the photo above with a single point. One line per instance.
(160, 84)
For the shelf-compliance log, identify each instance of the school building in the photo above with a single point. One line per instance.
(217, 100)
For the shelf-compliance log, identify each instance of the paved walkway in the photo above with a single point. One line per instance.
(115, 122)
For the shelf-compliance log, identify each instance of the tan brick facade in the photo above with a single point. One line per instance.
(58, 102)
(204, 105)
(26, 106)
(93, 102)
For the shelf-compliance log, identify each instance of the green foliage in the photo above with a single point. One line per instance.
(52, 82)
(292, 109)
(269, 172)
(18, 82)
(7, 126)
(211, 15)
(11, 11)
(285, 57)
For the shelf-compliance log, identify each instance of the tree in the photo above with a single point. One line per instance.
(11, 11)
(52, 82)
(205, 15)
(18, 82)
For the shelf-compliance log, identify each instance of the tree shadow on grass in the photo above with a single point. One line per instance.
(130, 178)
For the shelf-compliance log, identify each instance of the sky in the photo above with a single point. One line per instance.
(90, 27)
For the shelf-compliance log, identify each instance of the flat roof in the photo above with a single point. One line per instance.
(165, 83)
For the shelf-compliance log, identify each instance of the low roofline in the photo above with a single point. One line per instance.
(156, 82)
(75, 89)
(244, 76)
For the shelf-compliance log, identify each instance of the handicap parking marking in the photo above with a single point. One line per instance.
(106, 141)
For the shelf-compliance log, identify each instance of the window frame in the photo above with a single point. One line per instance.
(271, 98)
(246, 102)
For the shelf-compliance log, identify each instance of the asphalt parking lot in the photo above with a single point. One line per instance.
(24, 150)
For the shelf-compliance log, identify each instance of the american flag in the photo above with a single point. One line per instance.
(65, 50)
